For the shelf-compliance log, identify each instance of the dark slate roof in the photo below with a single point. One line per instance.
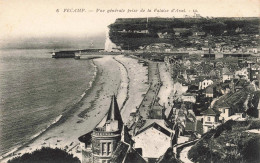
(120, 152)
(114, 112)
(168, 157)
(133, 156)
(124, 153)
(86, 138)
(224, 105)
(210, 111)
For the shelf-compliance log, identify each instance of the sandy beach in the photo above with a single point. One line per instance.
(116, 75)
(138, 85)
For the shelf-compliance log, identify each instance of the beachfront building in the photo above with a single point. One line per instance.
(110, 143)
(210, 119)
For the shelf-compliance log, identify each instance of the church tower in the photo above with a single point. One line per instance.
(105, 139)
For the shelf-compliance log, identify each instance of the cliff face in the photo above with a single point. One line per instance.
(131, 33)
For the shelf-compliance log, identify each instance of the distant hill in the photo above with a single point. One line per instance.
(134, 32)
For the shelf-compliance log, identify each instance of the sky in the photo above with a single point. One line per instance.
(26, 19)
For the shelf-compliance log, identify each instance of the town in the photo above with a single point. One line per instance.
(210, 112)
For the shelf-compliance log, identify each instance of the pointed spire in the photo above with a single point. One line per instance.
(114, 113)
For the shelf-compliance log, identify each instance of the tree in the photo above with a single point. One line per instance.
(46, 155)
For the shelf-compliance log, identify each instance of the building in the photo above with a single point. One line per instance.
(210, 119)
(242, 74)
(153, 138)
(226, 75)
(110, 143)
(205, 83)
(254, 72)
(258, 110)
(225, 114)
(210, 91)
(189, 97)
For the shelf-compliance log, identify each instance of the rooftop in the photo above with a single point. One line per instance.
(210, 111)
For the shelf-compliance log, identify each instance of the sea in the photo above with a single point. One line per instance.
(35, 91)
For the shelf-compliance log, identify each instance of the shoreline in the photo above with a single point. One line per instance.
(55, 136)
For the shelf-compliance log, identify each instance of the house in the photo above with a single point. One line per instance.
(254, 72)
(109, 143)
(189, 97)
(205, 83)
(258, 59)
(194, 127)
(258, 110)
(254, 50)
(210, 91)
(214, 74)
(226, 75)
(226, 112)
(210, 119)
(242, 74)
(154, 138)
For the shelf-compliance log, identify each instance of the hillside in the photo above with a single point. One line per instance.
(230, 142)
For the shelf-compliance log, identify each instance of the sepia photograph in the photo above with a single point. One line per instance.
(130, 81)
